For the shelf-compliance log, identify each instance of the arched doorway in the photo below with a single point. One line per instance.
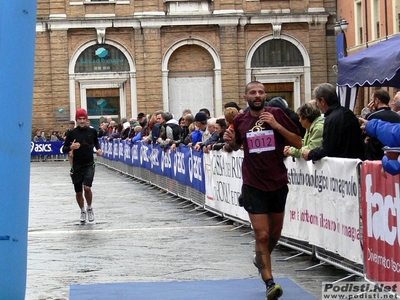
(100, 75)
(196, 86)
(283, 65)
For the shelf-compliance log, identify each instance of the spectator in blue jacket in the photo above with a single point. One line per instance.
(389, 134)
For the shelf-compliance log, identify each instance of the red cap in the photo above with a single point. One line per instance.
(81, 113)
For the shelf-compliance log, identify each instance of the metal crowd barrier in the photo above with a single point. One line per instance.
(197, 198)
(44, 158)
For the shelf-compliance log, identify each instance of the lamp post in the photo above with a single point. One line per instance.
(341, 26)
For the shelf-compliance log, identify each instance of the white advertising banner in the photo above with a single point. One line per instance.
(322, 207)
(223, 177)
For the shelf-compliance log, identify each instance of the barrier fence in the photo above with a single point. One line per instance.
(342, 211)
(41, 151)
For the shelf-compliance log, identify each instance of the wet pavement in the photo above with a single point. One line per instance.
(140, 234)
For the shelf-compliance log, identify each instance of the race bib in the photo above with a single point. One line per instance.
(260, 141)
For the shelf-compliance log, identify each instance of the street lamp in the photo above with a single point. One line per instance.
(341, 26)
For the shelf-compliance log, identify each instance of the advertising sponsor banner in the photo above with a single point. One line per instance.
(381, 223)
(155, 159)
(180, 158)
(223, 173)
(127, 152)
(183, 165)
(135, 154)
(46, 148)
(115, 151)
(322, 207)
(107, 148)
(195, 168)
(166, 164)
(144, 155)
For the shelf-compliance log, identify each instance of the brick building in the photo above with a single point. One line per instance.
(118, 58)
(368, 23)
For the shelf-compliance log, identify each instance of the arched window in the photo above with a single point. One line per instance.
(277, 53)
(101, 58)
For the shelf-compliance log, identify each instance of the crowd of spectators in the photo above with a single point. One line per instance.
(327, 128)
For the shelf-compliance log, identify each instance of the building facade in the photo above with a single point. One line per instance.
(118, 58)
(369, 22)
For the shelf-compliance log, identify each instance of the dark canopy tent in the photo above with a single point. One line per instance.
(378, 65)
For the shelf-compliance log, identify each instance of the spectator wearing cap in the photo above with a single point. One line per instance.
(282, 104)
(142, 119)
(213, 135)
(201, 134)
(206, 112)
(233, 104)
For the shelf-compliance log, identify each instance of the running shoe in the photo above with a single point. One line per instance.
(83, 217)
(90, 214)
(274, 291)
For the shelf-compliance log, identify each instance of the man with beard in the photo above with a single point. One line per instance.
(263, 132)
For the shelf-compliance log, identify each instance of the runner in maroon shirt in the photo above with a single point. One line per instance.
(263, 132)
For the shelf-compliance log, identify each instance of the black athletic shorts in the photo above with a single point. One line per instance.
(256, 201)
(82, 175)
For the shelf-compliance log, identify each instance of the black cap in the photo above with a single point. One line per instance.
(141, 115)
(71, 122)
(200, 117)
(232, 104)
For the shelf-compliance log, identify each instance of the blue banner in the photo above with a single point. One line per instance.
(341, 46)
(115, 150)
(184, 165)
(135, 154)
(46, 148)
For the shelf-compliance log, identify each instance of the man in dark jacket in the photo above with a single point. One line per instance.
(342, 135)
(380, 105)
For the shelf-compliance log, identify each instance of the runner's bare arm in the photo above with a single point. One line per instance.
(230, 138)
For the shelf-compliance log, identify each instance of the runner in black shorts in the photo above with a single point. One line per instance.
(256, 201)
(82, 176)
(263, 132)
(79, 143)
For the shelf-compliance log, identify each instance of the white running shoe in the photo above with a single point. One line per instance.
(83, 217)
(90, 214)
